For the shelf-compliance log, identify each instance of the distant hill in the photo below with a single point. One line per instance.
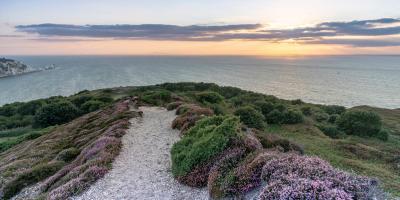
(9, 67)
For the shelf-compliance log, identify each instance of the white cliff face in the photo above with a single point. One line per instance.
(10, 67)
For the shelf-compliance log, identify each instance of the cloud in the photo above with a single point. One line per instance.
(323, 33)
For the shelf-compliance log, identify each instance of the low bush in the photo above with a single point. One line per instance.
(55, 113)
(265, 107)
(307, 111)
(321, 116)
(361, 123)
(157, 98)
(174, 105)
(331, 131)
(274, 117)
(34, 175)
(292, 117)
(251, 117)
(209, 137)
(91, 105)
(334, 109)
(209, 97)
(276, 141)
(332, 118)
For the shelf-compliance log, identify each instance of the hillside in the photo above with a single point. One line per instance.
(244, 129)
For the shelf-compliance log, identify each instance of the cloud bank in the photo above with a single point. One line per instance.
(363, 33)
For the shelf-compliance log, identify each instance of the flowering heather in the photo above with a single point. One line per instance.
(189, 114)
(303, 177)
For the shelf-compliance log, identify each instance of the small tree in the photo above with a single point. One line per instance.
(361, 123)
(55, 113)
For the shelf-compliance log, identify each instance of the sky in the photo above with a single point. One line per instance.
(201, 27)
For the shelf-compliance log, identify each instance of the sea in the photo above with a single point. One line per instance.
(342, 80)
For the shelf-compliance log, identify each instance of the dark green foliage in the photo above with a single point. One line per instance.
(297, 102)
(91, 106)
(265, 107)
(209, 137)
(321, 116)
(332, 118)
(9, 109)
(307, 111)
(251, 117)
(30, 108)
(209, 97)
(68, 155)
(55, 113)
(280, 107)
(361, 123)
(34, 175)
(331, 131)
(292, 117)
(275, 117)
(158, 98)
(383, 135)
(228, 92)
(104, 98)
(334, 109)
(218, 109)
(15, 121)
(80, 100)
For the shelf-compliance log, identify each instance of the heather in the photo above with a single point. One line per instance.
(67, 158)
(301, 177)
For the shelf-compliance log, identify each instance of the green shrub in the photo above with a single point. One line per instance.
(81, 99)
(265, 107)
(321, 116)
(30, 108)
(29, 177)
(91, 106)
(307, 111)
(297, 102)
(275, 117)
(68, 155)
(383, 135)
(332, 118)
(292, 117)
(331, 131)
(209, 137)
(14, 132)
(334, 109)
(209, 97)
(361, 123)
(55, 113)
(251, 117)
(106, 98)
(157, 98)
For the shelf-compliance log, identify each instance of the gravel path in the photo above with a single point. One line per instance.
(143, 168)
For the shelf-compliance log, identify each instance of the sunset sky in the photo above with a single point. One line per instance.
(203, 27)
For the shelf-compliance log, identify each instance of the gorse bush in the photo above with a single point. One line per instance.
(361, 123)
(265, 107)
(158, 98)
(209, 97)
(55, 113)
(292, 117)
(251, 117)
(209, 137)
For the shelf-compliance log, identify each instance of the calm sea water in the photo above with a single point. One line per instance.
(343, 80)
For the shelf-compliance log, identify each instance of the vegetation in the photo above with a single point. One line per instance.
(251, 117)
(204, 141)
(364, 140)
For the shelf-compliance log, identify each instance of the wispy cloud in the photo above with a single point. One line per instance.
(323, 33)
